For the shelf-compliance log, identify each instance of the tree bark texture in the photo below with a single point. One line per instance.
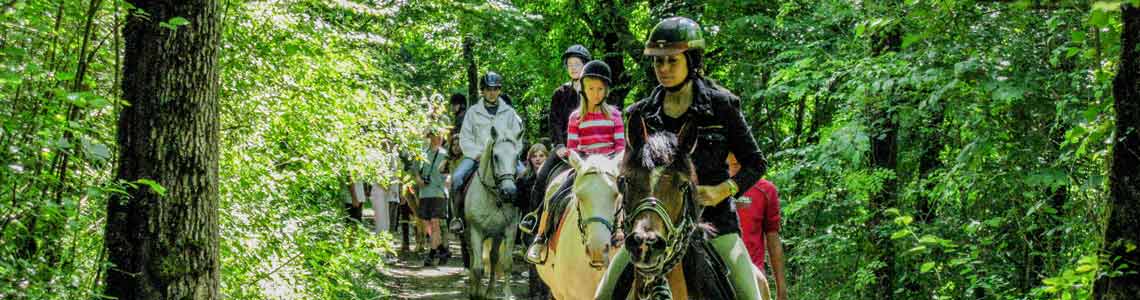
(1124, 175)
(164, 245)
(472, 70)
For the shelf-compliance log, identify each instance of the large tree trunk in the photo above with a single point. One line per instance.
(1124, 177)
(617, 41)
(164, 245)
(472, 70)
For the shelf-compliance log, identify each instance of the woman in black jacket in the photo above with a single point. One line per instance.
(684, 96)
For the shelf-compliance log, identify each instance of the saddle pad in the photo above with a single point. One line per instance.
(559, 203)
(557, 233)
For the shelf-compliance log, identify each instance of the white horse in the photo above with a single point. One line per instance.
(492, 222)
(580, 248)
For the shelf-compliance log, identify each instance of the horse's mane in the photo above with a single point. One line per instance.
(661, 149)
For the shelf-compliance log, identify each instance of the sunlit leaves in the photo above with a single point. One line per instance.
(174, 23)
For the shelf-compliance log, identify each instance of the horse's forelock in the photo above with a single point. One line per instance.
(659, 150)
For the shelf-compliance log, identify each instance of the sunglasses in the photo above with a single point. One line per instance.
(663, 60)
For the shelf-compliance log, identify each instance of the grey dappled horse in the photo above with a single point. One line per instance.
(491, 216)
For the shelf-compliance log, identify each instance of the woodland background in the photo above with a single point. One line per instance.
(937, 149)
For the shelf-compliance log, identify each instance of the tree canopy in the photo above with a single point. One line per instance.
(946, 149)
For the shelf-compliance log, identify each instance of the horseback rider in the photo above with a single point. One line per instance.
(594, 128)
(564, 101)
(684, 96)
(475, 133)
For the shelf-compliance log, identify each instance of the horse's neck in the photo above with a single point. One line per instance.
(485, 168)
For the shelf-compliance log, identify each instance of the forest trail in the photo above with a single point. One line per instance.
(405, 277)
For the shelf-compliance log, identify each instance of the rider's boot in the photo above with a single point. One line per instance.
(536, 253)
(429, 259)
(443, 254)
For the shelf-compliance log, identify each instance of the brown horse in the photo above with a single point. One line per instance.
(667, 242)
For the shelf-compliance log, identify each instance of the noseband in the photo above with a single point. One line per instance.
(493, 186)
(677, 235)
(582, 224)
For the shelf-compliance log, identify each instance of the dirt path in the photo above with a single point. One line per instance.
(406, 277)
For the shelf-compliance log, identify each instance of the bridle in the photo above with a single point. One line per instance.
(677, 235)
(607, 223)
(493, 186)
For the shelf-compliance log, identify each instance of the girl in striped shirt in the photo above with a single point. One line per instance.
(594, 128)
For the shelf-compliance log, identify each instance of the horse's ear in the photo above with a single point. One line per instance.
(644, 130)
(494, 133)
(573, 159)
(687, 138)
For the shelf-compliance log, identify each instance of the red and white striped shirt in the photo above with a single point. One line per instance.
(596, 134)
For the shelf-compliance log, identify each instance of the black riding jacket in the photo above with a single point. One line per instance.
(720, 128)
(562, 103)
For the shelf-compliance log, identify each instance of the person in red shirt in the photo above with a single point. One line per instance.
(759, 212)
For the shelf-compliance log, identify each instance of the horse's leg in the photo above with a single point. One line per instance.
(421, 233)
(494, 269)
(507, 257)
(475, 241)
(465, 250)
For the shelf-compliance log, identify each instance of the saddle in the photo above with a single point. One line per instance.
(558, 208)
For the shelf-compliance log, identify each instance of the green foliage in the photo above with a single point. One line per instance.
(1002, 112)
(1002, 109)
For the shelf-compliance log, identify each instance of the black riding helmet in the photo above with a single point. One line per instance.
(578, 51)
(678, 35)
(491, 79)
(597, 69)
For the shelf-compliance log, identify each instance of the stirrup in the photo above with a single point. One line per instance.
(456, 225)
(528, 223)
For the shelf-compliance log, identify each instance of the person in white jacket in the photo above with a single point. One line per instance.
(492, 111)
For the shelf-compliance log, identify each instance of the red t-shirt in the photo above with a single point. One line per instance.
(759, 218)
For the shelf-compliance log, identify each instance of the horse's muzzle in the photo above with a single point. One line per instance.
(599, 261)
(646, 248)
